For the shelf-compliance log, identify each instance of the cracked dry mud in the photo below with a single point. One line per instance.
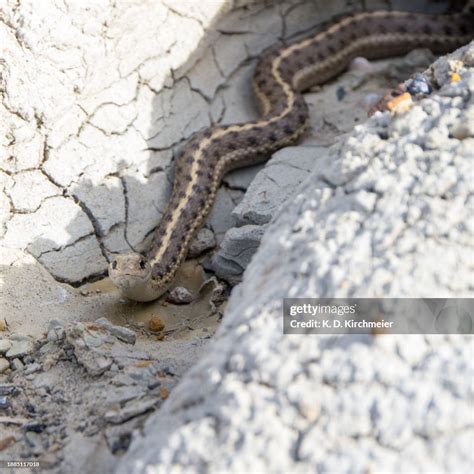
(89, 133)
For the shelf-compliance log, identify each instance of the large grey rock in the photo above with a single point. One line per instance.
(220, 218)
(386, 215)
(271, 188)
(236, 251)
(276, 183)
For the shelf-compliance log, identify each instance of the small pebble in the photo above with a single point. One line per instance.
(154, 384)
(455, 77)
(35, 426)
(19, 347)
(32, 368)
(120, 332)
(48, 460)
(114, 367)
(360, 64)
(155, 324)
(169, 372)
(340, 93)
(371, 99)
(400, 104)
(203, 241)
(41, 392)
(4, 365)
(130, 410)
(17, 364)
(144, 363)
(7, 442)
(5, 344)
(4, 403)
(468, 58)
(419, 85)
(19, 337)
(180, 295)
(462, 130)
(55, 331)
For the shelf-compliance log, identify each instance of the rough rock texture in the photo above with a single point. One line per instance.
(236, 251)
(387, 213)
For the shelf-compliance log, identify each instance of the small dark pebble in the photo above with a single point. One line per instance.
(122, 443)
(153, 385)
(419, 85)
(169, 372)
(35, 426)
(340, 93)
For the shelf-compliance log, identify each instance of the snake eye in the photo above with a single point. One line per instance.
(114, 264)
(142, 264)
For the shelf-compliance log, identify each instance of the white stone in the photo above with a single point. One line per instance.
(5, 344)
(4, 365)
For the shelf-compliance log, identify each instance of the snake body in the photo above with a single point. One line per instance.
(281, 75)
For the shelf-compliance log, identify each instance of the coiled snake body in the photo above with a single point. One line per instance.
(280, 77)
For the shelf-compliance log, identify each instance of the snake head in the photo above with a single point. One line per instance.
(131, 273)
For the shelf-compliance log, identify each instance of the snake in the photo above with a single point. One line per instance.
(281, 75)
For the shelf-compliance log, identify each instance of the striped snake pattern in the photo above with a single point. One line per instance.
(281, 75)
